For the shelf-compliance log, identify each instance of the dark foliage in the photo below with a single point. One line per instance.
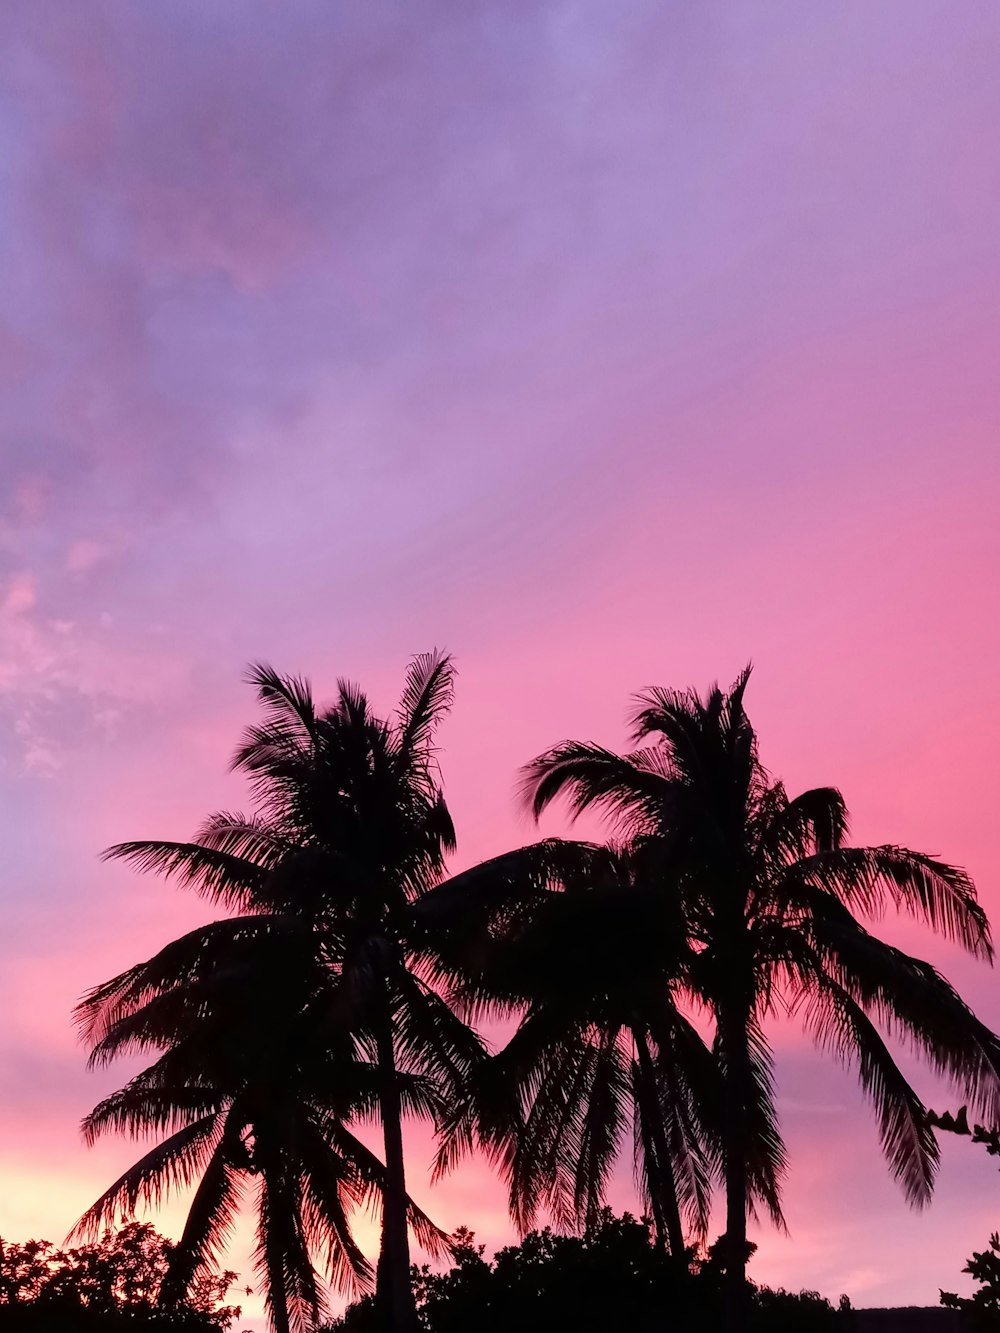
(113, 1284)
(612, 1278)
(982, 1308)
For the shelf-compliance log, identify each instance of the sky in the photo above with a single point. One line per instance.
(601, 345)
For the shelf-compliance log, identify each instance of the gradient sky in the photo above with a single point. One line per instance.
(601, 344)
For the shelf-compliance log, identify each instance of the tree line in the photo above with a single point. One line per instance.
(609, 1276)
(349, 974)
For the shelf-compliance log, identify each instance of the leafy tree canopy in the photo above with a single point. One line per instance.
(113, 1284)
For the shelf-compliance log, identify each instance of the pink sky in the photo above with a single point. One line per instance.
(602, 345)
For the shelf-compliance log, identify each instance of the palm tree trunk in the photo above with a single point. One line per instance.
(394, 1290)
(733, 1023)
(665, 1192)
(280, 1322)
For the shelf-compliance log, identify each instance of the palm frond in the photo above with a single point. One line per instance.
(427, 696)
(865, 878)
(292, 1292)
(184, 961)
(139, 1109)
(371, 1177)
(693, 1140)
(172, 1164)
(432, 1039)
(329, 1180)
(249, 837)
(767, 1158)
(631, 795)
(841, 1025)
(602, 1126)
(219, 876)
(353, 711)
(914, 1002)
(791, 830)
(287, 702)
(210, 1220)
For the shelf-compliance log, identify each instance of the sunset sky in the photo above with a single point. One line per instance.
(601, 344)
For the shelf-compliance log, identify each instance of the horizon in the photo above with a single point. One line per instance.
(601, 349)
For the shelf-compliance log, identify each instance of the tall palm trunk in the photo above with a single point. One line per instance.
(663, 1189)
(394, 1291)
(733, 1025)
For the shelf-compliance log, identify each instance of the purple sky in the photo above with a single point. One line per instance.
(600, 344)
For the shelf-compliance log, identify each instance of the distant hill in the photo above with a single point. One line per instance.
(908, 1319)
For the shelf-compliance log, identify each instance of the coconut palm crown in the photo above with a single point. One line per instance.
(254, 1097)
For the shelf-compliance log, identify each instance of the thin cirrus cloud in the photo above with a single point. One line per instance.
(601, 345)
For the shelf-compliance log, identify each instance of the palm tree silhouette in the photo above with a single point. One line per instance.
(588, 958)
(349, 830)
(769, 891)
(254, 1085)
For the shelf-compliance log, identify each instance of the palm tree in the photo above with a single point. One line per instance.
(770, 890)
(349, 830)
(588, 959)
(252, 1084)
